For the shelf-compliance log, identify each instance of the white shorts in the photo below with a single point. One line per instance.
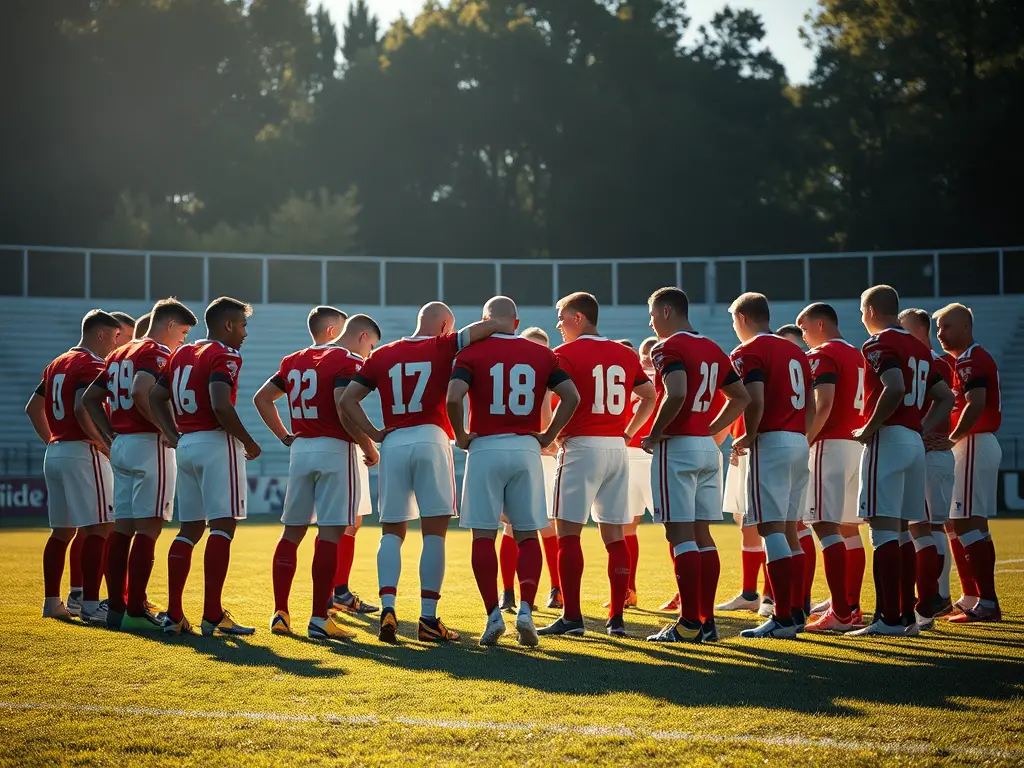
(549, 464)
(938, 489)
(977, 476)
(328, 483)
(145, 471)
(504, 473)
(416, 464)
(211, 477)
(79, 485)
(776, 478)
(640, 498)
(592, 480)
(734, 500)
(892, 475)
(833, 482)
(686, 480)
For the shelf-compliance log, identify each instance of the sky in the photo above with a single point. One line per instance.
(782, 19)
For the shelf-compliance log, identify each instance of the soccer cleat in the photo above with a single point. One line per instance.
(672, 605)
(97, 615)
(977, 613)
(681, 631)
(526, 632)
(965, 603)
(615, 626)
(224, 626)
(508, 601)
(328, 629)
(767, 607)
(857, 617)
(771, 628)
(153, 609)
(555, 599)
(434, 631)
(147, 622)
(822, 607)
(563, 626)
(878, 627)
(943, 607)
(631, 598)
(281, 623)
(829, 622)
(172, 627)
(495, 628)
(911, 629)
(388, 631)
(924, 623)
(799, 620)
(114, 619)
(741, 603)
(74, 602)
(54, 608)
(709, 631)
(352, 604)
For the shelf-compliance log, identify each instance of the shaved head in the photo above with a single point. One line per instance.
(434, 318)
(501, 308)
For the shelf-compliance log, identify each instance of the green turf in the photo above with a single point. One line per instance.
(952, 695)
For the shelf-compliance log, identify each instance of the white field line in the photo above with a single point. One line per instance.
(619, 731)
(1009, 562)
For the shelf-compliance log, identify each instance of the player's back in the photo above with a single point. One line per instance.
(897, 348)
(62, 378)
(840, 363)
(942, 367)
(142, 355)
(784, 369)
(974, 368)
(189, 374)
(605, 374)
(309, 377)
(707, 369)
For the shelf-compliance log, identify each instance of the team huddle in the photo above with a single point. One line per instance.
(892, 434)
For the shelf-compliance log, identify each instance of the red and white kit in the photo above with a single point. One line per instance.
(508, 378)
(734, 495)
(939, 465)
(592, 474)
(978, 455)
(640, 498)
(211, 463)
(79, 484)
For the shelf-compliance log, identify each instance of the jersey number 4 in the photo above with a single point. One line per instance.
(397, 372)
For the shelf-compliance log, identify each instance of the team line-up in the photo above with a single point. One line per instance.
(892, 434)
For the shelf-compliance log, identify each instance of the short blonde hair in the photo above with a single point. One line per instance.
(753, 306)
(953, 308)
(919, 315)
(883, 299)
(535, 332)
(647, 344)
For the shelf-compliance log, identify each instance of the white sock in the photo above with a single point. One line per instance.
(431, 575)
(318, 621)
(880, 537)
(942, 545)
(923, 542)
(832, 540)
(685, 546)
(971, 537)
(389, 568)
(776, 547)
(905, 537)
(854, 542)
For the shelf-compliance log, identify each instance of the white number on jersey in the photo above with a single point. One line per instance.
(422, 373)
(796, 378)
(57, 406)
(521, 381)
(918, 382)
(609, 389)
(858, 399)
(119, 382)
(708, 385)
(184, 398)
(299, 395)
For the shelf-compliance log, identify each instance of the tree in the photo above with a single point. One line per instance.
(360, 33)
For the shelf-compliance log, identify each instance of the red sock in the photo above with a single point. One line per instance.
(981, 557)
(284, 565)
(215, 569)
(856, 563)
(325, 563)
(118, 546)
(528, 566)
(796, 575)
(75, 559)
(92, 566)
(551, 558)
(888, 578)
(834, 557)
(963, 568)
(618, 576)
(103, 558)
(53, 565)
(140, 566)
(346, 548)
(768, 591)
(810, 564)
(710, 568)
(570, 573)
(633, 545)
(179, 563)
(781, 574)
(688, 576)
(752, 561)
(908, 579)
(508, 553)
(485, 569)
(928, 570)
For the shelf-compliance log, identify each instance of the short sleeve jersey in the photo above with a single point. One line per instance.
(707, 370)
(605, 374)
(142, 356)
(309, 378)
(896, 348)
(841, 364)
(786, 374)
(188, 377)
(412, 375)
(508, 378)
(976, 368)
(74, 370)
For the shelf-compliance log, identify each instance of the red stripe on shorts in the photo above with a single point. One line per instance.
(97, 478)
(232, 478)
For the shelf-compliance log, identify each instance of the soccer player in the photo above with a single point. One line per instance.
(898, 377)
(930, 535)
(201, 383)
(127, 323)
(325, 482)
(141, 327)
(976, 416)
(143, 462)
(592, 478)
(777, 377)
(837, 378)
(506, 378)
(686, 479)
(76, 466)
(791, 332)
(415, 455)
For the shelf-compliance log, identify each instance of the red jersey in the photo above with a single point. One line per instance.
(707, 370)
(786, 374)
(896, 348)
(188, 376)
(508, 377)
(605, 373)
(412, 376)
(74, 370)
(840, 363)
(309, 378)
(976, 368)
(645, 430)
(144, 355)
(738, 428)
(941, 365)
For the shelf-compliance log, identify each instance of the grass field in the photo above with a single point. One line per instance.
(77, 695)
